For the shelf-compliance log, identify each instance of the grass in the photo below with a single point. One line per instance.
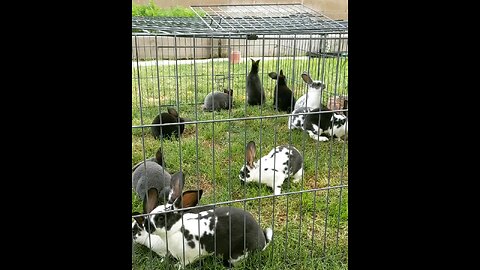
(152, 10)
(160, 83)
(211, 156)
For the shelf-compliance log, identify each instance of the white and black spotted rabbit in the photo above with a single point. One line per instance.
(195, 233)
(274, 168)
(140, 235)
(313, 97)
(319, 123)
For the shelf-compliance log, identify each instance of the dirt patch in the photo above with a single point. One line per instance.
(203, 183)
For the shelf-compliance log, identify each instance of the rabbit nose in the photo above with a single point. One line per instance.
(242, 176)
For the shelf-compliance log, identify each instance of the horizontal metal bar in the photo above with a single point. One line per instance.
(243, 34)
(237, 119)
(256, 4)
(191, 47)
(253, 198)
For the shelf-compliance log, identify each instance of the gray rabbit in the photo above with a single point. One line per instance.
(218, 100)
(150, 177)
(157, 158)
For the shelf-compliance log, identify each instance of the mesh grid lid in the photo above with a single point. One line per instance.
(243, 19)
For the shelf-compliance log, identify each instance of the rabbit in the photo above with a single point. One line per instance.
(331, 124)
(150, 177)
(201, 232)
(285, 95)
(141, 236)
(158, 159)
(168, 131)
(255, 93)
(218, 101)
(279, 164)
(338, 103)
(313, 97)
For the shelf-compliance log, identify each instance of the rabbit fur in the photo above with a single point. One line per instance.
(285, 97)
(200, 231)
(167, 131)
(313, 97)
(218, 100)
(255, 93)
(274, 168)
(326, 122)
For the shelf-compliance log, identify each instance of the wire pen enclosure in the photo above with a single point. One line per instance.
(221, 182)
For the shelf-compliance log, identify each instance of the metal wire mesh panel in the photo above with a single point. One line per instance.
(168, 25)
(262, 18)
(229, 153)
(163, 65)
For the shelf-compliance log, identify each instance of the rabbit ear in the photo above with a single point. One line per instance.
(229, 92)
(253, 61)
(281, 72)
(139, 220)
(150, 200)
(191, 198)
(272, 75)
(176, 183)
(172, 112)
(258, 61)
(306, 78)
(250, 153)
(158, 156)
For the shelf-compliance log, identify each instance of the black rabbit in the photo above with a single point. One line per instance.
(285, 95)
(255, 93)
(168, 131)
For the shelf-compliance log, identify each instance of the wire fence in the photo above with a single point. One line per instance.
(176, 65)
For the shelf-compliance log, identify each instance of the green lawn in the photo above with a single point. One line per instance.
(212, 154)
(152, 10)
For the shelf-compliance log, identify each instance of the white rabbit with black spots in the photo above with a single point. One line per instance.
(198, 232)
(274, 168)
(313, 97)
(321, 122)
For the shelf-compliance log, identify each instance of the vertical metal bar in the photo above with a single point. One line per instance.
(143, 134)
(141, 116)
(229, 160)
(213, 151)
(196, 134)
(315, 185)
(304, 134)
(159, 102)
(275, 140)
(261, 128)
(163, 73)
(177, 102)
(341, 189)
(290, 141)
(159, 113)
(330, 158)
(135, 79)
(245, 143)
